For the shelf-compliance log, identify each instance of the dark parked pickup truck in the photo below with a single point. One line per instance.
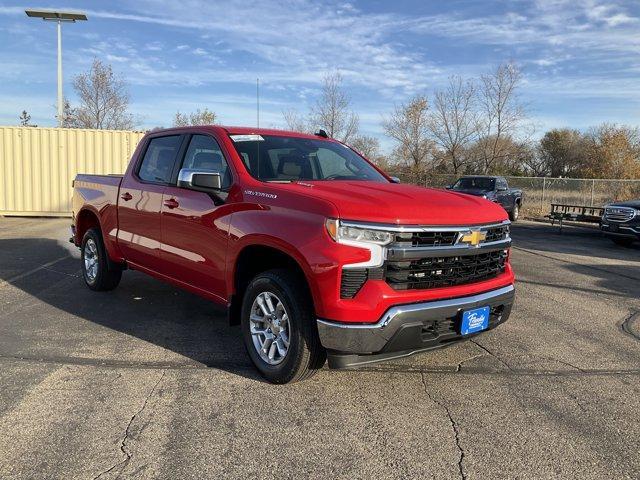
(621, 222)
(495, 189)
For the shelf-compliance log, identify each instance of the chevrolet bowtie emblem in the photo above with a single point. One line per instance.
(474, 238)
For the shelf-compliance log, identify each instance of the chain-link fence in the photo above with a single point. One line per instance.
(540, 192)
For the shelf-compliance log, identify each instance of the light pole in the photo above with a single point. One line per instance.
(55, 16)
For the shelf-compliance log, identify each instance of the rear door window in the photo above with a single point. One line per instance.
(158, 161)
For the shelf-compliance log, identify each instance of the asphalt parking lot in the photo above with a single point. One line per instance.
(150, 382)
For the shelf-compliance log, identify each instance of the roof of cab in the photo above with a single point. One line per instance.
(239, 131)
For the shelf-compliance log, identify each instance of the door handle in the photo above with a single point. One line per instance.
(126, 196)
(171, 203)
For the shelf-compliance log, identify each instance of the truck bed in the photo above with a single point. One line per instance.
(100, 194)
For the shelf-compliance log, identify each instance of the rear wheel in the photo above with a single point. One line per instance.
(278, 327)
(623, 241)
(515, 213)
(95, 266)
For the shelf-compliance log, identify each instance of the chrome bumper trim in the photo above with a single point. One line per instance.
(372, 338)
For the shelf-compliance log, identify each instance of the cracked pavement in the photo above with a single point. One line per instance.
(149, 382)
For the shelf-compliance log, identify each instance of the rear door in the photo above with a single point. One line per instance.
(195, 224)
(140, 202)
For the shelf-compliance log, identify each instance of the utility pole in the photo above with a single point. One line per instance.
(60, 106)
(58, 17)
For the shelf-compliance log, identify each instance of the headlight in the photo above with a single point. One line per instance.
(358, 234)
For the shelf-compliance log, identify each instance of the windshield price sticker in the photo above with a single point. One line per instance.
(247, 138)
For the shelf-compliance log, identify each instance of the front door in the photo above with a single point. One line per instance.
(140, 202)
(195, 224)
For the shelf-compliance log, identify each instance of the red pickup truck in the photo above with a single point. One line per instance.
(315, 252)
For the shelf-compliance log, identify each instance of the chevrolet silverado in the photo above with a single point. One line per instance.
(314, 251)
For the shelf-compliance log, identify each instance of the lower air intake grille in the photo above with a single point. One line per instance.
(434, 272)
(352, 281)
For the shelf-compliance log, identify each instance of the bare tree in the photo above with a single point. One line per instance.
(453, 121)
(69, 116)
(199, 117)
(25, 120)
(104, 99)
(367, 146)
(501, 113)
(408, 125)
(294, 121)
(332, 110)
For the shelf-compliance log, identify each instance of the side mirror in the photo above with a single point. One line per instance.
(395, 180)
(199, 179)
(448, 187)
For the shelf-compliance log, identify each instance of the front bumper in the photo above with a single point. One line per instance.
(615, 229)
(407, 329)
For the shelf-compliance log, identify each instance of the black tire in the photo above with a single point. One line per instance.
(305, 355)
(104, 277)
(622, 241)
(514, 214)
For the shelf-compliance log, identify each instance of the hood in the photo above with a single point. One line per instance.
(397, 203)
(630, 203)
(471, 191)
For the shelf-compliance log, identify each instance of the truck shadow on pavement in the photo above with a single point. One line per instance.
(122, 327)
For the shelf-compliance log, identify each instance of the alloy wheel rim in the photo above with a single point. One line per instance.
(269, 327)
(91, 260)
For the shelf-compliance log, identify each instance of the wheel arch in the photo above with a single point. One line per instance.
(85, 220)
(256, 258)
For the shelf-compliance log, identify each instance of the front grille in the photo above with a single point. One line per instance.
(446, 239)
(450, 327)
(427, 239)
(434, 272)
(495, 234)
(619, 214)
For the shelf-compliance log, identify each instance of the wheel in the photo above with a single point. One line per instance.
(515, 213)
(622, 241)
(278, 327)
(95, 267)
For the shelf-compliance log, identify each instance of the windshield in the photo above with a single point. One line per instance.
(274, 158)
(475, 183)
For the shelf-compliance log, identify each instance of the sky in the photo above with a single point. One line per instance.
(580, 60)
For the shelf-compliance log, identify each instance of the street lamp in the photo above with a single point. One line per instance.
(55, 16)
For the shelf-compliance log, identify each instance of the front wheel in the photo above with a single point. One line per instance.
(515, 213)
(96, 271)
(278, 327)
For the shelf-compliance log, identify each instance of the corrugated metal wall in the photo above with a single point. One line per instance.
(37, 165)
